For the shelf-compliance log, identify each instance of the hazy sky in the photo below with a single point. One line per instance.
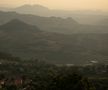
(61, 4)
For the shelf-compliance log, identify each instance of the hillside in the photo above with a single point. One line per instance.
(27, 41)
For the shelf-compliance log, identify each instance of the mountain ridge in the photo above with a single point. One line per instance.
(51, 24)
(90, 17)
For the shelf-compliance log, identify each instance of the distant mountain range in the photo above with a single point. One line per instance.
(51, 24)
(28, 41)
(54, 24)
(83, 17)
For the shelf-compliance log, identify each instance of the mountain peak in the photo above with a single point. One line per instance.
(16, 21)
(35, 6)
(17, 24)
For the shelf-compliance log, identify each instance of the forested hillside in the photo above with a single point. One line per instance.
(28, 41)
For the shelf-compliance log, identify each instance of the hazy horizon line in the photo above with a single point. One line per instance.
(10, 6)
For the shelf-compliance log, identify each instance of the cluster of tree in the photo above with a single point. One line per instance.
(18, 74)
(100, 83)
(35, 74)
(61, 80)
(99, 69)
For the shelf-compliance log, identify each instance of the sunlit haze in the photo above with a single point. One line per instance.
(61, 4)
